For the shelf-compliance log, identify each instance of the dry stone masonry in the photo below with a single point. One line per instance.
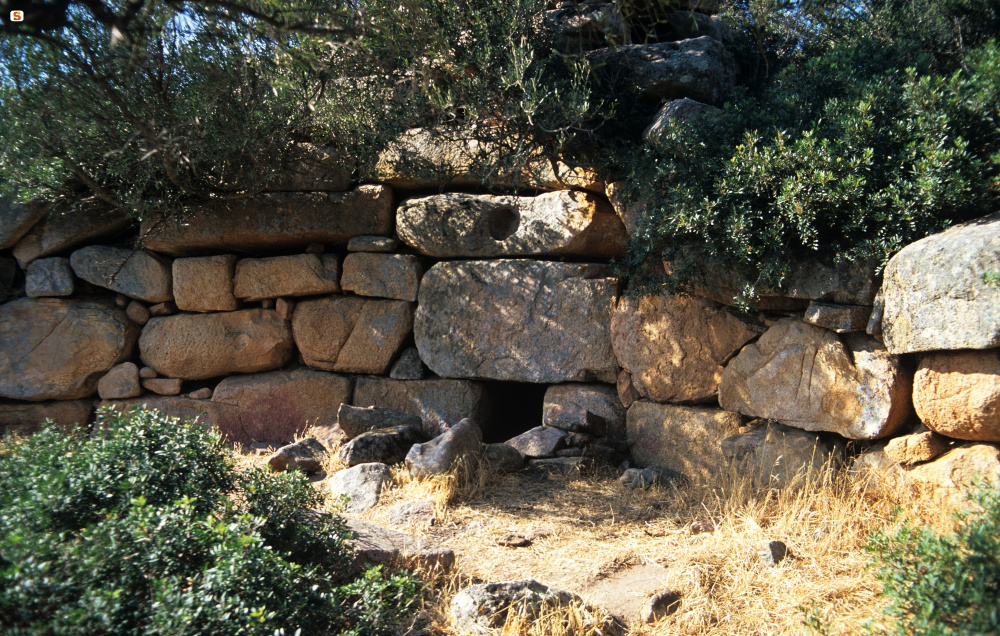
(412, 315)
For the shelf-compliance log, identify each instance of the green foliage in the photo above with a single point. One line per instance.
(872, 131)
(944, 584)
(146, 526)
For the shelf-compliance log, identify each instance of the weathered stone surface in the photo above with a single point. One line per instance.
(53, 349)
(660, 605)
(675, 346)
(954, 472)
(423, 159)
(372, 244)
(137, 313)
(362, 484)
(555, 223)
(504, 458)
(25, 418)
(700, 68)
(312, 168)
(355, 420)
(203, 412)
(582, 27)
(351, 334)
(296, 275)
(147, 372)
(584, 408)
(774, 552)
(458, 446)
(135, 273)
(627, 393)
(203, 393)
(683, 109)
(538, 442)
(121, 381)
(16, 220)
(384, 445)
(163, 386)
(935, 293)
(277, 406)
(57, 232)
(285, 308)
(812, 379)
(376, 545)
(46, 277)
(957, 394)
(307, 454)
(839, 318)
(917, 447)
(162, 309)
(201, 346)
(482, 608)
(682, 25)
(517, 320)
(275, 220)
(440, 404)
(650, 476)
(413, 512)
(628, 211)
(205, 283)
(783, 456)
(681, 438)
(394, 276)
(408, 366)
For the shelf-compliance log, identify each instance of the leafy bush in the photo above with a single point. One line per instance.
(146, 526)
(944, 584)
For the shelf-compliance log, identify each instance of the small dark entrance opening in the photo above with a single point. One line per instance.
(515, 407)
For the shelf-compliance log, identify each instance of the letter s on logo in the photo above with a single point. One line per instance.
(17, 16)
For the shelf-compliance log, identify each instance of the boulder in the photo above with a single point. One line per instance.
(951, 475)
(675, 346)
(121, 381)
(307, 454)
(312, 168)
(201, 346)
(17, 219)
(277, 406)
(48, 277)
(163, 386)
(457, 447)
(24, 418)
(503, 458)
(434, 158)
(205, 283)
(362, 484)
(957, 394)
(394, 276)
(628, 210)
(700, 68)
(538, 442)
(355, 420)
(412, 512)
(277, 220)
(839, 318)
(584, 408)
(59, 231)
(135, 273)
(582, 27)
(204, 393)
(517, 320)
(782, 456)
(383, 445)
(681, 438)
(627, 393)
(202, 412)
(372, 244)
(681, 110)
(440, 404)
(137, 313)
(813, 379)
(351, 334)
(480, 225)
(408, 366)
(936, 291)
(375, 545)
(650, 476)
(917, 448)
(483, 608)
(296, 275)
(54, 349)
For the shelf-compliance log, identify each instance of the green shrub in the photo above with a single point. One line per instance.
(944, 584)
(146, 527)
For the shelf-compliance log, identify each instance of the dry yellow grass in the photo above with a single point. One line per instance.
(590, 529)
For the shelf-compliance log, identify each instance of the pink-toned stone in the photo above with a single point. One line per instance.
(147, 372)
(394, 276)
(138, 314)
(296, 275)
(24, 418)
(957, 394)
(163, 386)
(121, 381)
(205, 283)
(285, 308)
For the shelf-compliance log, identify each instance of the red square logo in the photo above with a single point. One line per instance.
(17, 16)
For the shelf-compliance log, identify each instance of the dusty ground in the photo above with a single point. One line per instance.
(616, 546)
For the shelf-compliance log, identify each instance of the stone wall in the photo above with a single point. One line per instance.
(419, 294)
